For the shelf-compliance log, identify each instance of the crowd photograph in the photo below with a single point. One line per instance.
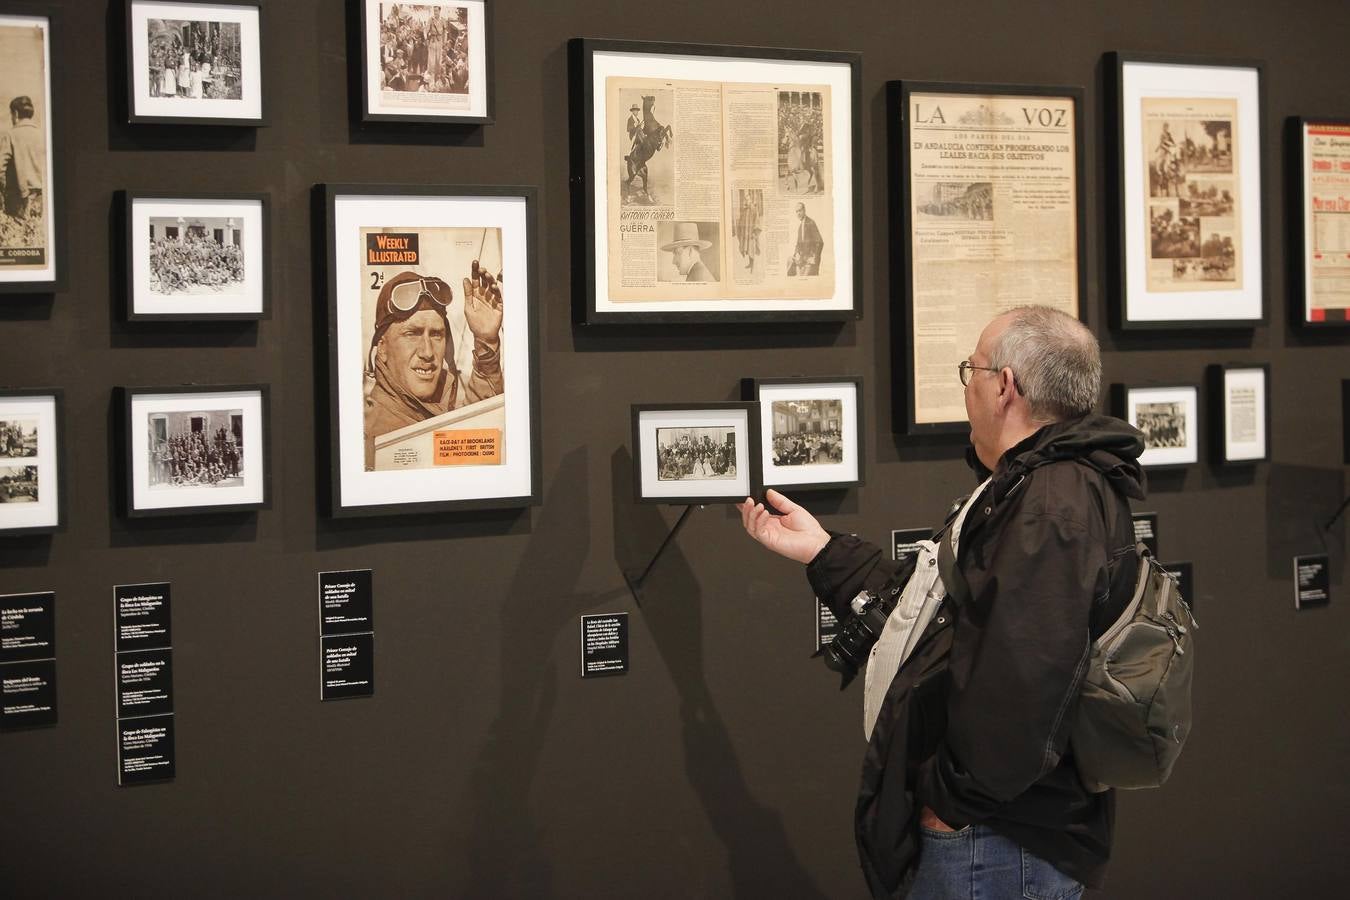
(1163, 424)
(807, 432)
(424, 48)
(801, 142)
(198, 453)
(194, 60)
(18, 484)
(685, 454)
(204, 256)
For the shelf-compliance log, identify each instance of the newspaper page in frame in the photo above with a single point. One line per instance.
(1194, 240)
(432, 371)
(993, 225)
(718, 190)
(25, 148)
(1327, 221)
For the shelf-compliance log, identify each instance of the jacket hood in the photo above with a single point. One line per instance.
(1107, 444)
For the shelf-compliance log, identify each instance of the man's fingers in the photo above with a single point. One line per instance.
(781, 502)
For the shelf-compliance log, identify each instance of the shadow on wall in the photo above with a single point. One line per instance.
(1299, 502)
(757, 849)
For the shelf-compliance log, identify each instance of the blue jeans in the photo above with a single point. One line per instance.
(975, 863)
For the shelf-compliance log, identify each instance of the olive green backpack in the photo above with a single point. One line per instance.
(1134, 711)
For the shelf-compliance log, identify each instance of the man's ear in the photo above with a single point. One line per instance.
(380, 352)
(1007, 386)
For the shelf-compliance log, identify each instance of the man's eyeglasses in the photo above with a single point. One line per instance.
(407, 295)
(965, 367)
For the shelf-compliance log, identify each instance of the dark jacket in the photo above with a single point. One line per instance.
(976, 723)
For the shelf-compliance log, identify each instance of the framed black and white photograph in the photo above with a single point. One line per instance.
(31, 255)
(195, 449)
(433, 361)
(194, 62)
(695, 452)
(199, 257)
(1319, 220)
(1239, 410)
(761, 223)
(1169, 417)
(428, 61)
(32, 489)
(1185, 192)
(811, 430)
(987, 214)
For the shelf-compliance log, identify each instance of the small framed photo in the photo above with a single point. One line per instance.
(715, 184)
(695, 452)
(32, 488)
(1319, 182)
(1185, 197)
(428, 61)
(1239, 410)
(32, 247)
(199, 257)
(433, 360)
(193, 62)
(812, 430)
(1168, 416)
(195, 449)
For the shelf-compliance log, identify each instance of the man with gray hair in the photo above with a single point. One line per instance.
(969, 784)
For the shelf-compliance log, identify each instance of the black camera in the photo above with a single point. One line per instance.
(847, 653)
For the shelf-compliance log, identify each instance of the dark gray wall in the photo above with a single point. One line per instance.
(725, 764)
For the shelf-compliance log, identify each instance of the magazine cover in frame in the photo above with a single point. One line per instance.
(431, 298)
(27, 220)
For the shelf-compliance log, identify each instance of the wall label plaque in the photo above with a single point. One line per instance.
(1312, 580)
(1146, 532)
(27, 660)
(604, 645)
(346, 634)
(143, 679)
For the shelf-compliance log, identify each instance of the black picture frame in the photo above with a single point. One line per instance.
(326, 198)
(135, 117)
(1118, 157)
(57, 397)
(126, 202)
(753, 473)
(586, 219)
(899, 153)
(125, 398)
(1301, 316)
(751, 389)
(1216, 399)
(1123, 398)
(53, 205)
(359, 17)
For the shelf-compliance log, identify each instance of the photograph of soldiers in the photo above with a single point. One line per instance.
(194, 60)
(1163, 424)
(801, 142)
(18, 484)
(693, 251)
(196, 255)
(424, 48)
(1182, 147)
(196, 449)
(18, 438)
(1172, 236)
(807, 432)
(686, 454)
(807, 245)
(1218, 257)
(647, 172)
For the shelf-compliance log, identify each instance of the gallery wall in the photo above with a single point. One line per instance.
(724, 764)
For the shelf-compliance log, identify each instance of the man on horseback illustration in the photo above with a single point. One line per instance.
(647, 138)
